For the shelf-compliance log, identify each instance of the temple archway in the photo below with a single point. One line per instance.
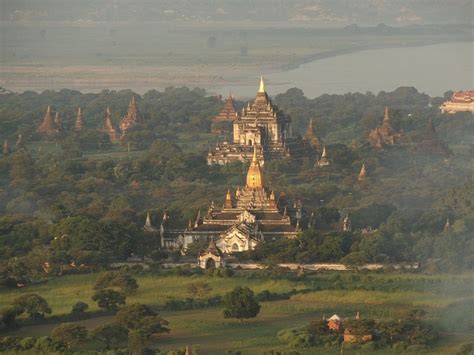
(235, 247)
(210, 264)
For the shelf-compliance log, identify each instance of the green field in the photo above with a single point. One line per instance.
(447, 298)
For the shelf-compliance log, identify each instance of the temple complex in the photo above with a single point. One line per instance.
(431, 143)
(108, 127)
(131, 117)
(461, 101)
(385, 134)
(49, 125)
(259, 124)
(249, 215)
(79, 124)
(222, 123)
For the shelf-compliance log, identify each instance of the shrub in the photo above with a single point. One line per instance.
(79, 308)
(27, 343)
(10, 343)
(47, 345)
(296, 337)
(70, 334)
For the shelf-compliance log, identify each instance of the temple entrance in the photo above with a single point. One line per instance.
(210, 264)
(235, 247)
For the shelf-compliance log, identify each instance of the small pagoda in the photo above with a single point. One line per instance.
(49, 126)
(324, 161)
(431, 143)
(79, 124)
(385, 134)
(222, 123)
(132, 116)
(108, 127)
(311, 137)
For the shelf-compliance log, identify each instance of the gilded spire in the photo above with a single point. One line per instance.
(228, 200)
(254, 174)
(262, 85)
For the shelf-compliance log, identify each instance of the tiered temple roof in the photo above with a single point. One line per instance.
(460, 101)
(222, 123)
(251, 212)
(385, 134)
(261, 124)
(132, 116)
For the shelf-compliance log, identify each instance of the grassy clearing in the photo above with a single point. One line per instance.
(441, 295)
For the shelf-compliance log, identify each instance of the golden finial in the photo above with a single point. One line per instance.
(254, 174)
(262, 85)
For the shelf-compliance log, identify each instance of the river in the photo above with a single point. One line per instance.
(432, 69)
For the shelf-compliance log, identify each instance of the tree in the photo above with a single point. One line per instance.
(9, 316)
(109, 299)
(199, 289)
(33, 304)
(120, 279)
(240, 303)
(142, 322)
(111, 334)
(70, 334)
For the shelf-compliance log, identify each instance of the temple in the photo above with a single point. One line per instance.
(131, 117)
(260, 124)
(248, 216)
(49, 126)
(362, 174)
(431, 143)
(79, 124)
(461, 101)
(324, 161)
(222, 123)
(108, 127)
(384, 135)
(311, 137)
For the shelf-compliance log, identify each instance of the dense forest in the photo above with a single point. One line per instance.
(81, 198)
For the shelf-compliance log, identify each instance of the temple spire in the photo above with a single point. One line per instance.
(386, 116)
(262, 85)
(362, 173)
(228, 200)
(5, 148)
(79, 124)
(254, 174)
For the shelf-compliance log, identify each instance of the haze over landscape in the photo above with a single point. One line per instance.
(237, 177)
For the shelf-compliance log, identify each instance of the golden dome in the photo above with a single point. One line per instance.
(254, 174)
